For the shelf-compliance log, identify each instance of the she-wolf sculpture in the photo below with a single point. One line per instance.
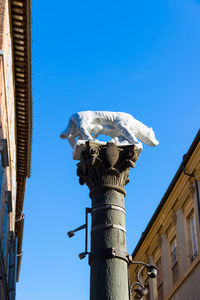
(121, 127)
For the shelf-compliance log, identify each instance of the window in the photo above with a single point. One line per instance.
(1, 178)
(8, 209)
(3, 162)
(8, 264)
(159, 280)
(12, 266)
(5, 230)
(174, 260)
(193, 238)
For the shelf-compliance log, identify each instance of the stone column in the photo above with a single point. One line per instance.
(105, 168)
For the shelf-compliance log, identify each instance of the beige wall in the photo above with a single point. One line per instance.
(173, 222)
(7, 102)
(7, 131)
(13, 108)
(190, 288)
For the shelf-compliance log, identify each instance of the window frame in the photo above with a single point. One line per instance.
(193, 237)
(159, 279)
(3, 163)
(3, 203)
(1, 178)
(174, 260)
(4, 152)
(7, 210)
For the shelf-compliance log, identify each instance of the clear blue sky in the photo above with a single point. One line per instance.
(140, 57)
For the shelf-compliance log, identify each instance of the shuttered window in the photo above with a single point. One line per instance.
(1, 178)
(174, 259)
(193, 237)
(5, 229)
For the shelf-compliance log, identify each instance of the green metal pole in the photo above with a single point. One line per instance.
(105, 170)
(109, 276)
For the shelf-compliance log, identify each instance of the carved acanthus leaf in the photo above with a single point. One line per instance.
(106, 165)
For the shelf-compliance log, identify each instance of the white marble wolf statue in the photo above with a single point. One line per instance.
(121, 127)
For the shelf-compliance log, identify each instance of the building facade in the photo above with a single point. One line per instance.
(171, 240)
(15, 135)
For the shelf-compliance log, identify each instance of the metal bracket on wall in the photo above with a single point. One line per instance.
(141, 289)
(84, 226)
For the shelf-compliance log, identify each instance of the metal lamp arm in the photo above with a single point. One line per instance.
(136, 283)
(80, 228)
(139, 263)
(139, 277)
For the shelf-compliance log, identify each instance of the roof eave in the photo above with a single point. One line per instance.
(29, 44)
(22, 53)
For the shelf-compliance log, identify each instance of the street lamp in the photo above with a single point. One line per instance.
(84, 226)
(72, 232)
(140, 291)
(151, 272)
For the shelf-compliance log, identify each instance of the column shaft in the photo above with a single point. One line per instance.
(109, 275)
(105, 169)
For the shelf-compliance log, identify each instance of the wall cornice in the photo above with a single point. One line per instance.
(22, 45)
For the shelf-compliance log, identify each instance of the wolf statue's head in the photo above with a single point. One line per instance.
(152, 141)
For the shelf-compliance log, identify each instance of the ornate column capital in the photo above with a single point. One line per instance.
(106, 166)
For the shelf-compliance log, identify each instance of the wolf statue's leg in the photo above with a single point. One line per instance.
(121, 138)
(85, 135)
(127, 134)
(96, 129)
(70, 133)
(114, 140)
(72, 141)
